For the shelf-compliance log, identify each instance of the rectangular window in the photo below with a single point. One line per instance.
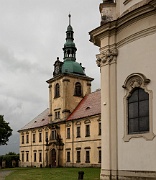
(23, 139)
(34, 156)
(68, 133)
(40, 156)
(68, 156)
(99, 128)
(99, 156)
(53, 134)
(27, 156)
(27, 138)
(40, 137)
(87, 156)
(22, 156)
(57, 115)
(78, 156)
(87, 130)
(46, 135)
(34, 138)
(78, 131)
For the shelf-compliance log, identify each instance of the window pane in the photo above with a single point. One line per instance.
(133, 125)
(134, 96)
(143, 95)
(133, 110)
(144, 124)
(143, 108)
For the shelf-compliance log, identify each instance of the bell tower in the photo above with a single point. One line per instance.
(69, 83)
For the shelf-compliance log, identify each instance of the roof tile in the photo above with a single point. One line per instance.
(90, 105)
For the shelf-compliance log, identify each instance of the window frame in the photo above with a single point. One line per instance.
(87, 156)
(87, 129)
(99, 128)
(40, 137)
(78, 89)
(78, 131)
(34, 156)
(40, 156)
(22, 139)
(57, 90)
(68, 156)
(68, 132)
(34, 137)
(27, 138)
(78, 156)
(137, 80)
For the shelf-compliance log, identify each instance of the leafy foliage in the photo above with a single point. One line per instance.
(9, 158)
(5, 131)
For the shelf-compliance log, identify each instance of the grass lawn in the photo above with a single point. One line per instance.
(53, 173)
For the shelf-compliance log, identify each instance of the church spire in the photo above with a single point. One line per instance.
(69, 46)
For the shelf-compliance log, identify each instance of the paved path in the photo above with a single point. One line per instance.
(3, 174)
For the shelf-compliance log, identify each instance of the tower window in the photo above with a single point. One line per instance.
(78, 89)
(57, 90)
(57, 115)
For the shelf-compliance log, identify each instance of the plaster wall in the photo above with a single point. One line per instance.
(138, 56)
(123, 5)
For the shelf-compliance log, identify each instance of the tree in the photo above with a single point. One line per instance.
(5, 131)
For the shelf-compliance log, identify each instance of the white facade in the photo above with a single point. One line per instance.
(127, 61)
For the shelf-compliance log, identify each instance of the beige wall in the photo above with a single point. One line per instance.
(32, 147)
(138, 56)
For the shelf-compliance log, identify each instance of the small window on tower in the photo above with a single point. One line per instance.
(78, 89)
(57, 90)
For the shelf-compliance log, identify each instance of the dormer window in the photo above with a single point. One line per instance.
(78, 89)
(57, 90)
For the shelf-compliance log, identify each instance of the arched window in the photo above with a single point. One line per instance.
(137, 108)
(78, 89)
(57, 90)
(138, 111)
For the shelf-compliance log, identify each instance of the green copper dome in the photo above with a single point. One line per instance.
(72, 67)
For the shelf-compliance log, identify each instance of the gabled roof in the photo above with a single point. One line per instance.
(90, 105)
(39, 121)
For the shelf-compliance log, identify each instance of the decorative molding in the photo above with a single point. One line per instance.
(126, 2)
(66, 80)
(66, 111)
(87, 147)
(39, 130)
(68, 125)
(135, 80)
(107, 57)
(33, 131)
(78, 148)
(49, 86)
(87, 121)
(78, 123)
(57, 109)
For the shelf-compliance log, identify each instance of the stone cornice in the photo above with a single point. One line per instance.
(145, 9)
(65, 75)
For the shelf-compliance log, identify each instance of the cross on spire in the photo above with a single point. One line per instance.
(69, 18)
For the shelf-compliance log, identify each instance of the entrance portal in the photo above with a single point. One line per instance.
(53, 153)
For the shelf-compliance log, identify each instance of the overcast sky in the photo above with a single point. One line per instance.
(32, 35)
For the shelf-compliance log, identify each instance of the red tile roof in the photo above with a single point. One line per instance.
(39, 121)
(90, 105)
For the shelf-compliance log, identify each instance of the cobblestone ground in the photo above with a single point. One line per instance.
(3, 174)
